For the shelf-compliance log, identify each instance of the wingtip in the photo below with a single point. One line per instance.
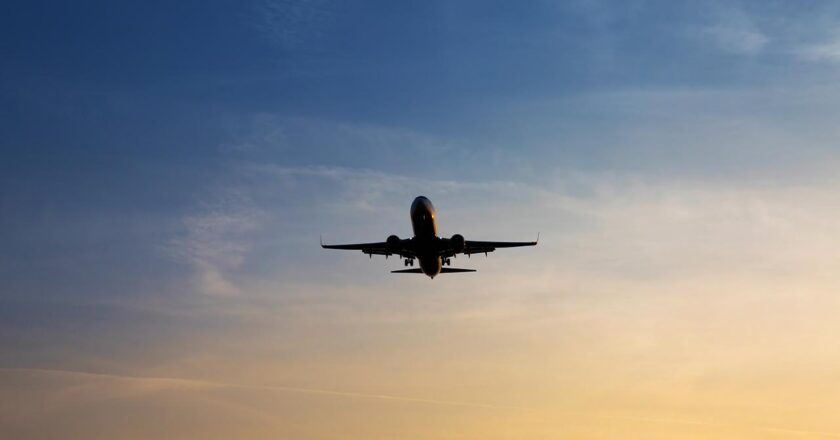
(321, 239)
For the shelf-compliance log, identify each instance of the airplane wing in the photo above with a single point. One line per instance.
(376, 248)
(481, 247)
(404, 247)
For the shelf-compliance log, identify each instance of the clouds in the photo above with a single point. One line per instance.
(738, 40)
(299, 141)
(213, 240)
(664, 303)
(295, 24)
(299, 176)
(827, 51)
(733, 29)
(729, 132)
(750, 30)
(169, 406)
(679, 160)
(619, 225)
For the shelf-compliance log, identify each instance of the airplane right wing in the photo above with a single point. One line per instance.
(376, 248)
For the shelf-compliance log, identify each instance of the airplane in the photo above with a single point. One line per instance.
(431, 251)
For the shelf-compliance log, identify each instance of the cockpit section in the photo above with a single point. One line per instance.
(423, 219)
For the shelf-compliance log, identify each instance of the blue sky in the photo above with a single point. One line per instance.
(166, 170)
(133, 114)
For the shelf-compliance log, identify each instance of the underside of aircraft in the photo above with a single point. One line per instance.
(433, 253)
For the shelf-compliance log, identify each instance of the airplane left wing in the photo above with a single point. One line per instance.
(481, 247)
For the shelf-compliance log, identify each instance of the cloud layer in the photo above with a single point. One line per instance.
(167, 173)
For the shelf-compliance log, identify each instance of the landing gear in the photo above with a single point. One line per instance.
(409, 262)
(447, 261)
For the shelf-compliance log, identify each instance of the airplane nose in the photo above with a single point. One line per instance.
(421, 201)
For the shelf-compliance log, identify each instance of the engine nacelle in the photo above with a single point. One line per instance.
(394, 243)
(457, 242)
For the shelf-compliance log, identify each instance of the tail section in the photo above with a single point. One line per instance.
(407, 271)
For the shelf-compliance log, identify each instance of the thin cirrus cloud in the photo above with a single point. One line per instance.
(294, 24)
(212, 241)
(598, 215)
(679, 162)
(638, 294)
(827, 51)
(805, 35)
(244, 404)
(739, 40)
(660, 137)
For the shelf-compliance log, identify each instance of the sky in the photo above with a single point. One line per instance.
(167, 169)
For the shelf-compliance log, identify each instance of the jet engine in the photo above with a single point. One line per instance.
(394, 244)
(457, 242)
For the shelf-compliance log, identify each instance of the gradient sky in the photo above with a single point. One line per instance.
(167, 168)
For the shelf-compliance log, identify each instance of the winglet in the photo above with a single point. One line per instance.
(538, 238)
(321, 237)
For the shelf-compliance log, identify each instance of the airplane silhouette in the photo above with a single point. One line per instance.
(432, 252)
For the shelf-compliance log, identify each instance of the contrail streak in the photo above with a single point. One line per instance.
(279, 388)
(407, 399)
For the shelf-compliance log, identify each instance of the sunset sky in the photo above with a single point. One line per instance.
(167, 168)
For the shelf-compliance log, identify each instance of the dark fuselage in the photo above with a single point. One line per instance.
(425, 236)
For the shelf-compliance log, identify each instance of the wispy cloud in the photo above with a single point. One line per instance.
(737, 39)
(213, 240)
(827, 51)
(734, 31)
(650, 219)
(295, 24)
(123, 386)
(686, 192)
(359, 145)
(75, 391)
(804, 35)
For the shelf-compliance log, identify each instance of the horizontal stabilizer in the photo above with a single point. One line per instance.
(442, 270)
(407, 271)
